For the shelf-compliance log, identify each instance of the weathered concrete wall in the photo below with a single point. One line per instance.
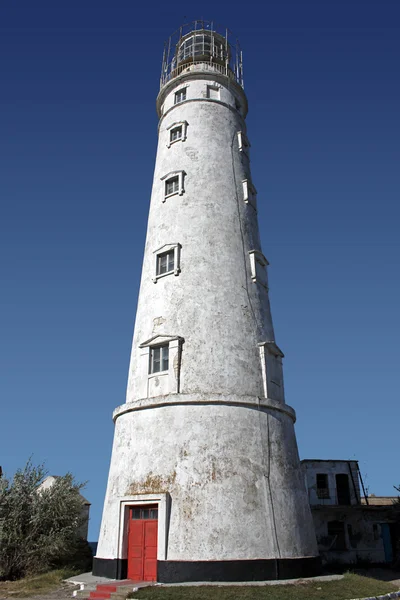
(232, 475)
(364, 545)
(213, 303)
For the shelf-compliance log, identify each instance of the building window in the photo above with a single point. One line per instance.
(272, 371)
(322, 486)
(213, 92)
(159, 359)
(180, 96)
(177, 132)
(243, 143)
(167, 261)
(343, 489)
(258, 264)
(160, 365)
(173, 184)
(336, 531)
(249, 193)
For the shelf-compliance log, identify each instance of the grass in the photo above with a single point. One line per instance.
(351, 586)
(38, 584)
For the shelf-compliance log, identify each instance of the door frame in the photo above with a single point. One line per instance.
(163, 502)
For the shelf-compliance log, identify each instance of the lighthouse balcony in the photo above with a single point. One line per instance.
(202, 66)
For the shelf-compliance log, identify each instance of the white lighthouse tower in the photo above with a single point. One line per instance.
(205, 481)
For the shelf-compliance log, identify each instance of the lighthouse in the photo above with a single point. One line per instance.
(205, 481)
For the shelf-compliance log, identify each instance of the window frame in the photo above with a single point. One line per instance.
(257, 261)
(243, 143)
(176, 248)
(249, 193)
(180, 91)
(167, 253)
(170, 128)
(272, 371)
(171, 376)
(215, 88)
(161, 359)
(180, 188)
(323, 493)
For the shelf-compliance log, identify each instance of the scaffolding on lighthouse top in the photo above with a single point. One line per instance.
(202, 46)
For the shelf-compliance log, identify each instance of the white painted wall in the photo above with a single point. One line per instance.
(331, 468)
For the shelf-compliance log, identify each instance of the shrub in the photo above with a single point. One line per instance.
(38, 528)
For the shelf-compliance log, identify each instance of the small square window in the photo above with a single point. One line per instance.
(213, 92)
(175, 134)
(159, 359)
(172, 186)
(165, 262)
(180, 96)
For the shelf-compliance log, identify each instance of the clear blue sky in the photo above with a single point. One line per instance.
(78, 135)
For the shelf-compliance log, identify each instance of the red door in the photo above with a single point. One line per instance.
(142, 543)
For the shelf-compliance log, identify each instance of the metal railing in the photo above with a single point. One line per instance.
(199, 66)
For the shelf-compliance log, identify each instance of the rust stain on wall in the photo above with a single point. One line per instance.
(153, 484)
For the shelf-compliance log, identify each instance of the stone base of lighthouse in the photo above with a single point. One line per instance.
(224, 476)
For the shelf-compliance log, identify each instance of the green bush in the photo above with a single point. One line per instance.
(39, 529)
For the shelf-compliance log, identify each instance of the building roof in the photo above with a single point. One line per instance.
(48, 482)
(379, 500)
(331, 460)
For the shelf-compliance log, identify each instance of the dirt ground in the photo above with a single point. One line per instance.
(61, 593)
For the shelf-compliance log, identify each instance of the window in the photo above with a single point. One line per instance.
(160, 365)
(249, 193)
(173, 184)
(343, 489)
(258, 264)
(142, 512)
(165, 262)
(336, 531)
(177, 132)
(322, 485)
(272, 371)
(213, 92)
(180, 96)
(243, 143)
(237, 105)
(159, 359)
(202, 45)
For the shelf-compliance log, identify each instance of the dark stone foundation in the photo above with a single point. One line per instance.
(113, 568)
(177, 571)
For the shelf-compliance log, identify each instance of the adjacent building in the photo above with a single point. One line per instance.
(350, 527)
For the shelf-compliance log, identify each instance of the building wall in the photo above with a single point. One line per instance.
(365, 543)
(331, 468)
(212, 303)
(210, 438)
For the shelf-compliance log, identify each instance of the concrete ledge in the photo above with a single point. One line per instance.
(253, 402)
